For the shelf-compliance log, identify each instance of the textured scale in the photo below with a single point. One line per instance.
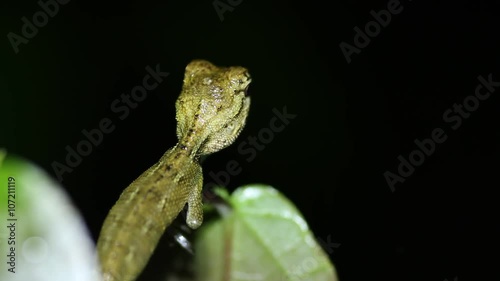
(210, 111)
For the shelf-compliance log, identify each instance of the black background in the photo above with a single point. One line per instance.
(353, 119)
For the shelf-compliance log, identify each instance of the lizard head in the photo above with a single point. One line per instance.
(213, 106)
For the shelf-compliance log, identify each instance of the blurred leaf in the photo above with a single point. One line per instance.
(42, 236)
(263, 237)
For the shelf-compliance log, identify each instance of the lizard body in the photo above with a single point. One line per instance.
(210, 111)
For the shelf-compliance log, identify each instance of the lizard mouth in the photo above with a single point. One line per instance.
(248, 81)
(245, 91)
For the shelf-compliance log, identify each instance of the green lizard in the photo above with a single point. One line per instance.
(210, 111)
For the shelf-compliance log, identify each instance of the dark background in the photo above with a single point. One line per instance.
(353, 119)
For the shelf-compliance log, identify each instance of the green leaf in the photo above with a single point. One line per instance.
(42, 235)
(263, 237)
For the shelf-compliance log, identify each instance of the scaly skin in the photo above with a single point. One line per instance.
(210, 111)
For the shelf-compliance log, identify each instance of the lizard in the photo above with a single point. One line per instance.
(211, 111)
